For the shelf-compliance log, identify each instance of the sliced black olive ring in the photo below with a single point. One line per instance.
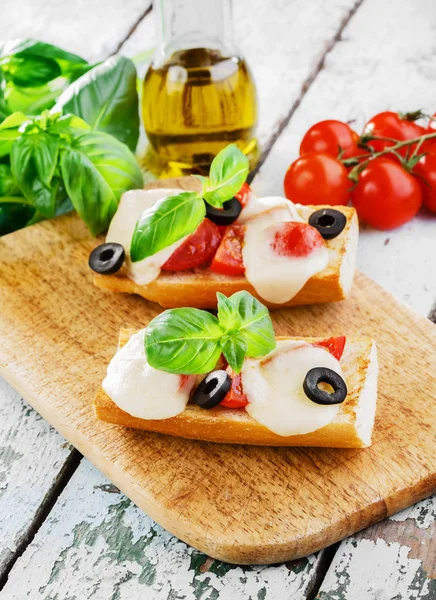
(323, 375)
(107, 258)
(225, 215)
(328, 221)
(212, 389)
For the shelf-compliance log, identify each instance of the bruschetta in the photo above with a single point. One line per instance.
(283, 254)
(303, 392)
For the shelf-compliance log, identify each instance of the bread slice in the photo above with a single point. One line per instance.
(351, 428)
(198, 287)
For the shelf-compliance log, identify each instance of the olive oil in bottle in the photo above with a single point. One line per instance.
(197, 100)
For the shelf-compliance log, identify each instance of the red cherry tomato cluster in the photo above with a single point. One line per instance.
(382, 173)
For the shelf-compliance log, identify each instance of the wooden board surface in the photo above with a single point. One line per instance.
(240, 504)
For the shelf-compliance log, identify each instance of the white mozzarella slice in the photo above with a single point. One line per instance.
(139, 389)
(131, 207)
(274, 388)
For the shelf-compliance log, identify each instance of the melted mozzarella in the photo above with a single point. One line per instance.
(139, 389)
(131, 207)
(275, 278)
(274, 388)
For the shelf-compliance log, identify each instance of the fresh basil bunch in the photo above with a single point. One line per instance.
(190, 341)
(175, 217)
(53, 157)
(33, 74)
(41, 154)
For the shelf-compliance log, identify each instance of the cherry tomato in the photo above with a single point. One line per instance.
(186, 382)
(317, 178)
(228, 258)
(235, 397)
(386, 195)
(426, 171)
(330, 137)
(390, 125)
(296, 239)
(196, 250)
(335, 345)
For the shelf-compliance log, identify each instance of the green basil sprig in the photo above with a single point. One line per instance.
(190, 341)
(54, 156)
(175, 217)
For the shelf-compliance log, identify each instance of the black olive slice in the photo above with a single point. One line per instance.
(323, 375)
(212, 389)
(107, 258)
(225, 215)
(328, 222)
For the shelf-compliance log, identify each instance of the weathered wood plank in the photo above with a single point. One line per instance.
(32, 459)
(371, 69)
(392, 560)
(284, 44)
(96, 543)
(90, 28)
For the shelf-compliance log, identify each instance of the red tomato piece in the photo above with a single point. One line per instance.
(335, 345)
(331, 136)
(244, 194)
(197, 250)
(296, 239)
(186, 381)
(235, 397)
(228, 258)
(390, 125)
(426, 177)
(317, 178)
(386, 195)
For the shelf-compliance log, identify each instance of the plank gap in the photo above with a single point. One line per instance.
(305, 87)
(133, 28)
(64, 476)
(325, 560)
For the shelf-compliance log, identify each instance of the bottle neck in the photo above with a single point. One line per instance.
(184, 24)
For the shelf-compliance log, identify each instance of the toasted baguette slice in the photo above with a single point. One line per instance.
(198, 287)
(351, 428)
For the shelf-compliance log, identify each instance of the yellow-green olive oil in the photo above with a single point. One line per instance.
(194, 105)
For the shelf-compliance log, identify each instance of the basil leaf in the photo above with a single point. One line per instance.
(106, 98)
(228, 316)
(32, 71)
(7, 138)
(255, 327)
(69, 125)
(228, 172)
(96, 169)
(14, 216)
(169, 220)
(33, 162)
(234, 349)
(29, 47)
(184, 341)
(14, 121)
(8, 185)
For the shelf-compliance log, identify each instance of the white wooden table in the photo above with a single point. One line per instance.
(66, 533)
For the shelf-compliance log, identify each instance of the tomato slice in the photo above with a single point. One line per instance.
(228, 258)
(235, 397)
(197, 250)
(335, 345)
(186, 382)
(296, 239)
(244, 194)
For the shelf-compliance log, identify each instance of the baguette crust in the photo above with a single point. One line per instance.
(198, 287)
(351, 428)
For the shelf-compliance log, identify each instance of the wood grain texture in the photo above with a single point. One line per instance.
(97, 544)
(300, 500)
(360, 79)
(91, 28)
(32, 457)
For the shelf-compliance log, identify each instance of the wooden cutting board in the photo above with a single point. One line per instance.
(238, 504)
